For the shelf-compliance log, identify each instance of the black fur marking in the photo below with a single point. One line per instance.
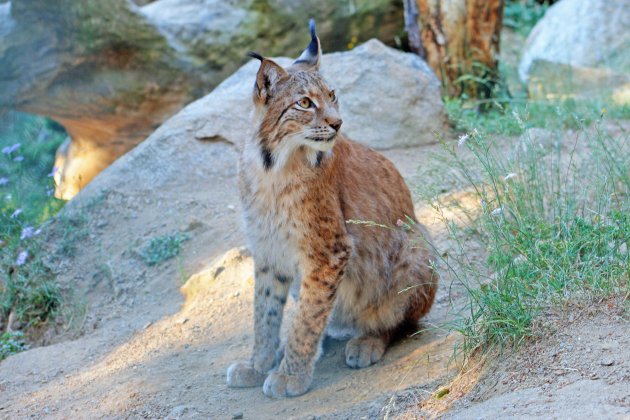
(267, 158)
(267, 291)
(272, 312)
(282, 279)
(282, 113)
(320, 157)
(311, 25)
(255, 55)
(281, 299)
(313, 47)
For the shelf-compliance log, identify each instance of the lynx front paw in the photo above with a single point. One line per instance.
(364, 351)
(280, 385)
(243, 375)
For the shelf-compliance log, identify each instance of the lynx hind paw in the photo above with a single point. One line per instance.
(279, 385)
(364, 351)
(243, 375)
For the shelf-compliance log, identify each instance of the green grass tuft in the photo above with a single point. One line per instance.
(162, 248)
(12, 342)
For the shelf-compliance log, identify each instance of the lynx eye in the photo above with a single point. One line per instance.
(305, 103)
(332, 96)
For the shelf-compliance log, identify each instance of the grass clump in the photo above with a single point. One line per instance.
(11, 342)
(554, 217)
(162, 248)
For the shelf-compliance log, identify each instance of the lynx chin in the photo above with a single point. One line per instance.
(301, 181)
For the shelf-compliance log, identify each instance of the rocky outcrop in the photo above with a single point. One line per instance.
(111, 71)
(580, 48)
(387, 98)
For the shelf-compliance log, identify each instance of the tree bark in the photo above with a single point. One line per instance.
(462, 39)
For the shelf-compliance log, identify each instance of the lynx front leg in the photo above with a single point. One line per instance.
(269, 299)
(295, 373)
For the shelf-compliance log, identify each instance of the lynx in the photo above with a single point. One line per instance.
(301, 181)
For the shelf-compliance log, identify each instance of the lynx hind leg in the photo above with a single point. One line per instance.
(271, 292)
(398, 312)
(417, 278)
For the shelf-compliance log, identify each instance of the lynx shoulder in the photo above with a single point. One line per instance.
(300, 182)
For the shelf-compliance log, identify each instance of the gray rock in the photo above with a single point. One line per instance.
(110, 85)
(387, 98)
(580, 48)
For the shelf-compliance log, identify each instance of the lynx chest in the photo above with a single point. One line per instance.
(274, 221)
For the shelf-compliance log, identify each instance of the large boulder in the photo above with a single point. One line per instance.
(387, 98)
(580, 48)
(112, 71)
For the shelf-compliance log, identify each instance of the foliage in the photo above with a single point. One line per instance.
(162, 248)
(28, 291)
(11, 343)
(513, 117)
(555, 222)
(522, 15)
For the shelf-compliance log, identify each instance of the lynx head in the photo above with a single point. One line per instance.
(295, 108)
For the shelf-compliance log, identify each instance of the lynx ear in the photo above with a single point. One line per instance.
(311, 55)
(268, 75)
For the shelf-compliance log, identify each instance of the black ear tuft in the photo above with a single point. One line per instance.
(311, 55)
(311, 26)
(255, 55)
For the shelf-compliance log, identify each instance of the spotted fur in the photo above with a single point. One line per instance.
(301, 180)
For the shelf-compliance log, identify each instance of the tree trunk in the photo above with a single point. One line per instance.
(461, 41)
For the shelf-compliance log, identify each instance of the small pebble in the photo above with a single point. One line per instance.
(237, 416)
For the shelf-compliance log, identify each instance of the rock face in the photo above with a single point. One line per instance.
(580, 48)
(387, 98)
(111, 85)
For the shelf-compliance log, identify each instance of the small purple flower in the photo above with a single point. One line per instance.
(16, 213)
(4, 181)
(21, 259)
(10, 149)
(18, 158)
(49, 191)
(53, 172)
(27, 232)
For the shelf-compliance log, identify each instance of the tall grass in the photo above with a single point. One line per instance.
(553, 214)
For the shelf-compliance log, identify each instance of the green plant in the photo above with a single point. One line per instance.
(522, 15)
(162, 248)
(29, 294)
(513, 117)
(554, 219)
(11, 342)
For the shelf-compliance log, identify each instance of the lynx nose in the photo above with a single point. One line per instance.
(336, 125)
